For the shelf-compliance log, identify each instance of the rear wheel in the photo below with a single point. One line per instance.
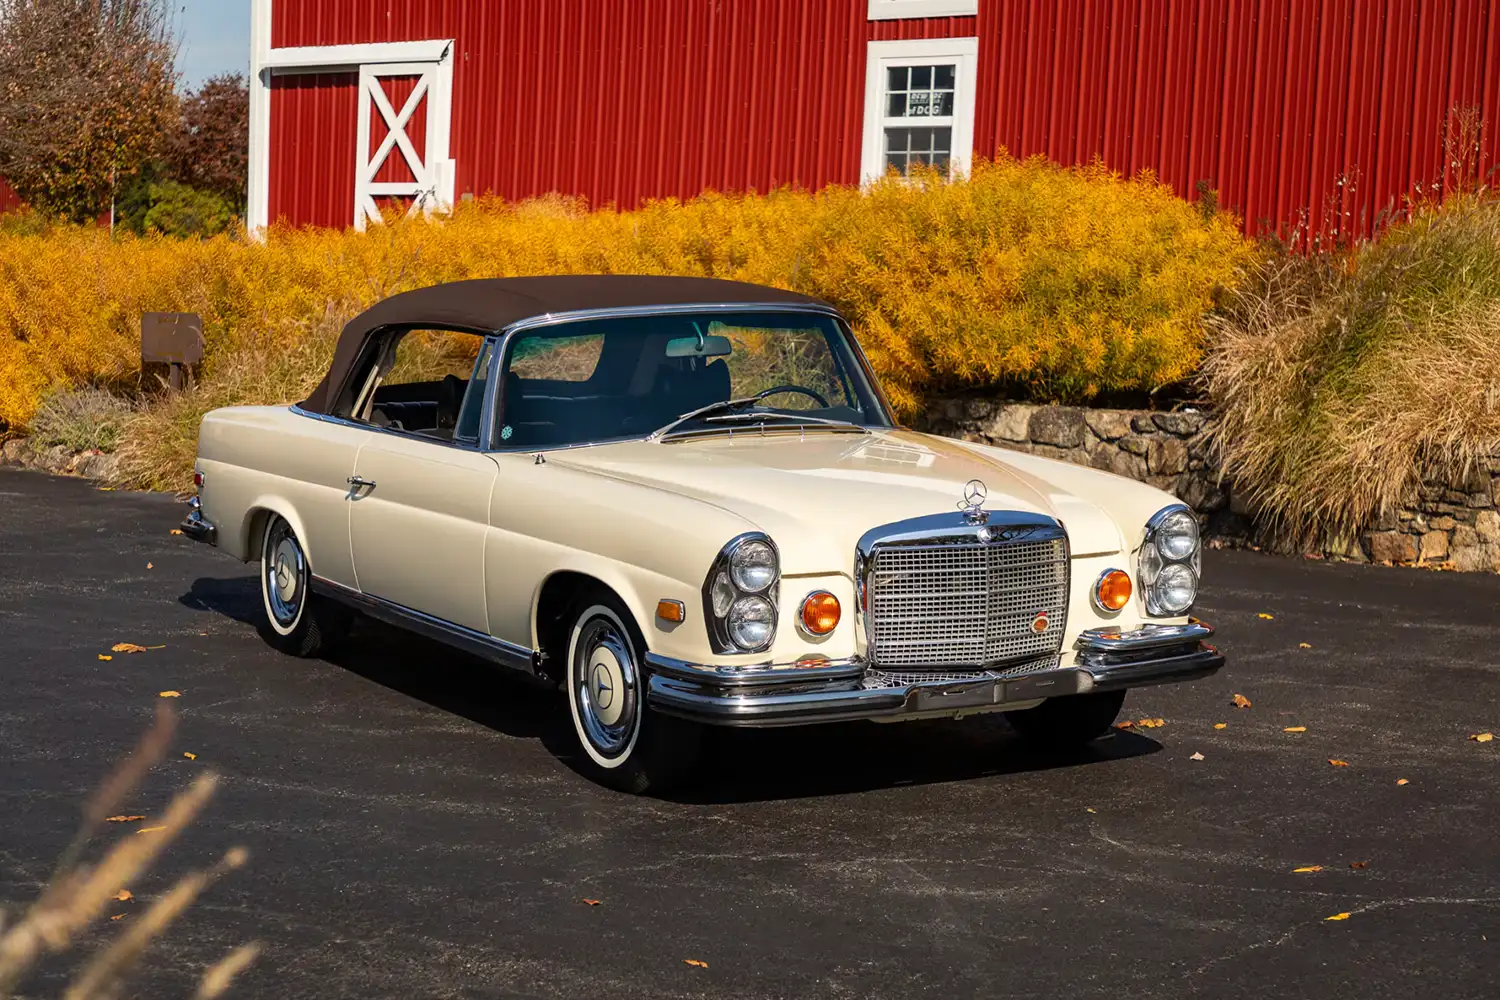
(297, 621)
(1071, 721)
(627, 746)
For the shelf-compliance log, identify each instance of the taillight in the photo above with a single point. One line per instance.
(197, 480)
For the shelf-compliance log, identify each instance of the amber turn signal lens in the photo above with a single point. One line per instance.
(1113, 591)
(820, 613)
(671, 611)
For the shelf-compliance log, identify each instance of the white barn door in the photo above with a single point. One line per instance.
(401, 151)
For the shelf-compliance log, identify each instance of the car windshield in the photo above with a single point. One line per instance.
(672, 375)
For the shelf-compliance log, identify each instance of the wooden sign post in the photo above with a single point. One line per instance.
(172, 339)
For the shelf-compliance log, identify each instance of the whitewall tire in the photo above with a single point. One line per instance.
(625, 744)
(296, 621)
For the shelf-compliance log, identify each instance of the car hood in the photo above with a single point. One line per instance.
(816, 495)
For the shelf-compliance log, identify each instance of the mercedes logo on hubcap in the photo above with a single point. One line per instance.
(604, 692)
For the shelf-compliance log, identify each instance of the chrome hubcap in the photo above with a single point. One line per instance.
(286, 574)
(605, 685)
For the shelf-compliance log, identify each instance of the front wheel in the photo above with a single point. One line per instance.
(297, 621)
(1067, 722)
(628, 746)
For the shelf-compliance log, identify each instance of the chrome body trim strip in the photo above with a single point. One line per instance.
(756, 674)
(626, 312)
(488, 647)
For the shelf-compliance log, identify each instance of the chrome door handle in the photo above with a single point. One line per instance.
(361, 483)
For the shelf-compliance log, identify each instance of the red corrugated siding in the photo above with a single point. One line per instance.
(623, 100)
(313, 118)
(9, 200)
(1296, 111)
(1327, 114)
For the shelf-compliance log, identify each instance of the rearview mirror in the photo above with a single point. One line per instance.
(711, 346)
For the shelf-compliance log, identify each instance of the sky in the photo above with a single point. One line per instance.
(215, 38)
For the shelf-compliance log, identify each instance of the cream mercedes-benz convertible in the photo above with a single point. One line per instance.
(686, 502)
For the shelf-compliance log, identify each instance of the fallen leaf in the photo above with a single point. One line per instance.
(1482, 737)
(118, 916)
(105, 489)
(1196, 756)
(1304, 645)
(126, 647)
(1124, 725)
(593, 902)
(1402, 781)
(1240, 701)
(162, 646)
(123, 819)
(151, 829)
(1338, 916)
(1088, 808)
(1309, 868)
(190, 756)
(1220, 725)
(1295, 729)
(123, 895)
(1359, 864)
(175, 531)
(695, 963)
(104, 657)
(149, 566)
(1151, 723)
(1266, 616)
(1338, 763)
(171, 694)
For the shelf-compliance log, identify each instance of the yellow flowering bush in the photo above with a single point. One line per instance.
(1042, 281)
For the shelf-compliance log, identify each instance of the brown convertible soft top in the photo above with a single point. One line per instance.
(489, 304)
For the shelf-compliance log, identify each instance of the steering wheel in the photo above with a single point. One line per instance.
(794, 388)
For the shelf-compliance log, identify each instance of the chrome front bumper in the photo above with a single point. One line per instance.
(196, 527)
(834, 691)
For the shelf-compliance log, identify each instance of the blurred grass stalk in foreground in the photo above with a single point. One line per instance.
(78, 893)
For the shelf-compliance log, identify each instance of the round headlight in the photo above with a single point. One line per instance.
(1175, 589)
(1177, 535)
(751, 621)
(723, 594)
(753, 566)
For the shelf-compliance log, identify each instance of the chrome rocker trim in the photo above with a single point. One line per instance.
(486, 647)
(796, 694)
(198, 528)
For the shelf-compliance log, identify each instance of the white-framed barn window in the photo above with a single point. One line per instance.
(891, 10)
(919, 105)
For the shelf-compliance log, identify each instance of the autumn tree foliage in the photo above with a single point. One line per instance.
(87, 95)
(209, 151)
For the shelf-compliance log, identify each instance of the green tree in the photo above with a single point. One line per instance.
(87, 96)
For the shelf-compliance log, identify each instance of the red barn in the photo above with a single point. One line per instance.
(1292, 110)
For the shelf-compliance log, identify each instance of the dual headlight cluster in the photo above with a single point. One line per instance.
(741, 595)
(1170, 561)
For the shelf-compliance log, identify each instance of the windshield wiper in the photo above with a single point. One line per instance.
(711, 414)
(702, 411)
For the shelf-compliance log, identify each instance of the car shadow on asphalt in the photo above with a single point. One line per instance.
(737, 766)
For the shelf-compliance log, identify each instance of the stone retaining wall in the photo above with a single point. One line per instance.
(1452, 525)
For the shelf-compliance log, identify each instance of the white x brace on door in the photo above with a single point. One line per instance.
(430, 188)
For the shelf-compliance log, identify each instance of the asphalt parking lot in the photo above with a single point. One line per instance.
(417, 829)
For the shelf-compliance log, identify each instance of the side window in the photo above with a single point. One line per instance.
(472, 410)
(421, 382)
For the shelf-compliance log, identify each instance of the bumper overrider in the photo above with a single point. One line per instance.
(196, 527)
(813, 691)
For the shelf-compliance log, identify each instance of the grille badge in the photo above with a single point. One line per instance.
(1040, 622)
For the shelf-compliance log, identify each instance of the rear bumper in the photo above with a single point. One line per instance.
(837, 691)
(196, 527)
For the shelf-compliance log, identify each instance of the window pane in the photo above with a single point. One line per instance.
(423, 380)
(896, 106)
(473, 405)
(558, 359)
(921, 78)
(944, 104)
(896, 78)
(942, 77)
(897, 138)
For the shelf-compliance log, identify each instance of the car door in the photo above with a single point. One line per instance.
(419, 515)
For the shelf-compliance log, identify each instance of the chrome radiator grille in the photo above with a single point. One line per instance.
(966, 602)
